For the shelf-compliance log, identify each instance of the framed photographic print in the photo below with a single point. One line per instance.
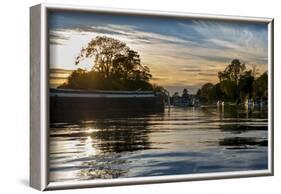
(124, 97)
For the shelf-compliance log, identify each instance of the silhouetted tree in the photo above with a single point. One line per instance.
(114, 58)
(185, 93)
(246, 82)
(229, 89)
(260, 86)
(236, 84)
(115, 67)
(233, 71)
(207, 92)
(175, 97)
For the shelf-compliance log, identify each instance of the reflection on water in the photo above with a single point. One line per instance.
(176, 141)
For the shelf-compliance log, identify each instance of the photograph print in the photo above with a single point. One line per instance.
(135, 96)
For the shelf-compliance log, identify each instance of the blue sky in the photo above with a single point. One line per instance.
(180, 52)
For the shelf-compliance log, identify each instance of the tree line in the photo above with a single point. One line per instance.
(115, 66)
(236, 84)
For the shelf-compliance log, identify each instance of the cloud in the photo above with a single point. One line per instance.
(157, 78)
(232, 39)
(57, 74)
(180, 53)
(58, 37)
(129, 32)
(208, 74)
(191, 70)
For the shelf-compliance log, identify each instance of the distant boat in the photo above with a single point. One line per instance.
(186, 102)
(196, 102)
(182, 104)
(249, 103)
(255, 103)
(220, 103)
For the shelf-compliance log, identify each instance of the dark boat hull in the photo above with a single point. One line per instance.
(68, 108)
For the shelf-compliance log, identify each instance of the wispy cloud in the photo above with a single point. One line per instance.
(58, 37)
(178, 52)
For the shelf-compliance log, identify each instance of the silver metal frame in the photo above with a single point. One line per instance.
(39, 109)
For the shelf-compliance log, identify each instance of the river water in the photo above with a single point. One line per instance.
(174, 142)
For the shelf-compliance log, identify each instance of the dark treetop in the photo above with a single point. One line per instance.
(115, 67)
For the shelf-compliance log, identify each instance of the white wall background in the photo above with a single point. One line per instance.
(14, 95)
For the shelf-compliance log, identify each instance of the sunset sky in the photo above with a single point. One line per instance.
(181, 53)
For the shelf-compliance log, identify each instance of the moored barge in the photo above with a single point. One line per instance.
(69, 103)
